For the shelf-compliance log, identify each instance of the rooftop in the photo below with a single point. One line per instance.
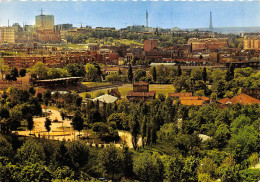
(241, 98)
(142, 83)
(106, 98)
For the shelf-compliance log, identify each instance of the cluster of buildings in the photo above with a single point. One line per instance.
(198, 52)
(43, 31)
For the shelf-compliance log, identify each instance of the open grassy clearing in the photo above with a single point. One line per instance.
(159, 88)
(95, 84)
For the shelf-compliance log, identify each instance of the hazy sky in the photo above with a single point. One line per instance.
(183, 14)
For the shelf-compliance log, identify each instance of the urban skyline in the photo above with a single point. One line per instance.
(122, 14)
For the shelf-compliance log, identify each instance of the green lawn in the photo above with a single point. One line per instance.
(159, 88)
(95, 84)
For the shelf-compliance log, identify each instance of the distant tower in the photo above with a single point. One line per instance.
(146, 18)
(210, 23)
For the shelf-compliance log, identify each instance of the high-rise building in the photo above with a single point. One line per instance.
(44, 21)
(210, 23)
(252, 42)
(7, 35)
(150, 44)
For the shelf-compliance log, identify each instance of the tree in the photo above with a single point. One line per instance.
(46, 97)
(253, 159)
(39, 70)
(130, 73)
(127, 160)
(14, 74)
(143, 129)
(134, 129)
(204, 74)
(154, 74)
(140, 73)
(148, 167)
(30, 123)
(230, 73)
(91, 72)
(22, 72)
(32, 91)
(111, 160)
(47, 125)
(222, 136)
(76, 69)
(31, 151)
(119, 72)
(78, 122)
(179, 71)
(6, 147)
(77, 154)
(78, 101)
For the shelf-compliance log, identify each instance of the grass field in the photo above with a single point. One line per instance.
(95, 84)
(159, 88)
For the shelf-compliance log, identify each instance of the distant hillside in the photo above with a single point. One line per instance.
(235, 30)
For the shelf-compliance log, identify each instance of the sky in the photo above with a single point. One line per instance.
(118, 14)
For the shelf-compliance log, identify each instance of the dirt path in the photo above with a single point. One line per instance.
(59, 130)
(126, 136)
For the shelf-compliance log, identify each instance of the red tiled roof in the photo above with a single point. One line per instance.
(141, 83)
(224, 100)
(143, 94)
(116, 92)
(241, 98)
(191, 102)
(195, 98)
(186, 94)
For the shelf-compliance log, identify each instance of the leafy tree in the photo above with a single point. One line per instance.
(39, 71)
(15, 119)
(189, 172)
(77, 154)
(91, 72)
(172, 167)
(6, 147)
(130, 73)
(63, 172)
(228, 170)
(207, 166)
(253, 159)
(30, 123)
(22, 72)
(31, 151)
(47, 125)
(78, 122)
(127, 162)
(243, 144)
(76, 69)
(34, 172)
(139, 74)
(14, 74)
(222, 136)
(111, 160)
(148, 167)
(46, 97)
(197, 74)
